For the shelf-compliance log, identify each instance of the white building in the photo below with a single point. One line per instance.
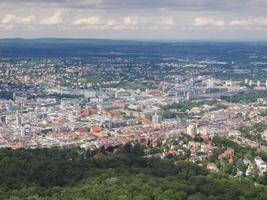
(210, 83)
(191, 129)
(250, 83)
(156, 120)
(258, 83)
(90, 94)
(261, 165)
(234, 133)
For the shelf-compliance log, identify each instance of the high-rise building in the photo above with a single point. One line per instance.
(156, 120)
(258, 83)
(191, 129)
(188, 96)
(250, 83)
(18, 120)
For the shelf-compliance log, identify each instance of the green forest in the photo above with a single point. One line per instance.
(73, 173)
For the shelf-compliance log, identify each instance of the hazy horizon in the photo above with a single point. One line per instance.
(142, 39)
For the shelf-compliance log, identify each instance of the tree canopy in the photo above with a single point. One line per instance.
(72, 173)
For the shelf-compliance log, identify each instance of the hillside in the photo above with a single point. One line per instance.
(70, 173)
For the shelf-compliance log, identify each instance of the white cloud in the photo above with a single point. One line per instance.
(27, 20)
(88, 21)
(202, 21)
(169, 22)
(55, 19)
(113, 23)
(13, 19)
(116, 24)
(9, 21)
(131, 21)
(247, 23)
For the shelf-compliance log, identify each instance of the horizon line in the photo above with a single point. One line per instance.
(140, 39)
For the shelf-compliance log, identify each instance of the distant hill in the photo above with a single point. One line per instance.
(86, 48)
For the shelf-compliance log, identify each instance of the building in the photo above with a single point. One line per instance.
(234, 133)
(191, 129)
(210, 83)
(261, 165)
(90, 94)
(188, 96)
(105, 106)
(258, 83)
(212, 167)
(228, 84)
(250, 83)
(156, 120)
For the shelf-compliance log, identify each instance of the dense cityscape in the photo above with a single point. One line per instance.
(204, 109)
(133, 100)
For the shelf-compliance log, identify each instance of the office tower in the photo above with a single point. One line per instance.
(250, 83)
(156, 120)
(191, 129)
(258, 83)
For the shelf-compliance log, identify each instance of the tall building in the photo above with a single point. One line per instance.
(250, 83)
(156, 120)
(18, 120)
(71, 117)
(258, 83)
(246, 81)
(188, 96)
(191, 129)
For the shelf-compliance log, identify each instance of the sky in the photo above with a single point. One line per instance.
(135, 19)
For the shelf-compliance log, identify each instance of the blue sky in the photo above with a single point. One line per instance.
(135, 19)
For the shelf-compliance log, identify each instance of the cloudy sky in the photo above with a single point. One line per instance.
(135, 19)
